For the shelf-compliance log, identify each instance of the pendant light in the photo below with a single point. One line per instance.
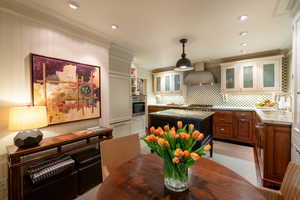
(183, 64)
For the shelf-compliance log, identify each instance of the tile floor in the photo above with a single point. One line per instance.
(238, 158)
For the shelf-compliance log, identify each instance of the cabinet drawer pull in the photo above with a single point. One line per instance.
(222, 129)
(243, 120)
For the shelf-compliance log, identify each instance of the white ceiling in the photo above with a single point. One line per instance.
(152, 28)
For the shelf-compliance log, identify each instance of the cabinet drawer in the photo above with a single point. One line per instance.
(243, 115)
(223, 130)
(223, 117)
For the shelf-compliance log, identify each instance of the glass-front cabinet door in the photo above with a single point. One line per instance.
(157, 84)
(167, 83)
(270, 73)
(248, 74)
(177, 82)
(230, 77)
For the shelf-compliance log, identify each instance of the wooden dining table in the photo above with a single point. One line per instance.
(142, 179)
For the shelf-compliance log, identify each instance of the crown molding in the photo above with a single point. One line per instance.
(51, 17)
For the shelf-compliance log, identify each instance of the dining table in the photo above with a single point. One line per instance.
(142, 179)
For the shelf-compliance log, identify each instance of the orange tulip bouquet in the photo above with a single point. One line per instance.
(176, 148)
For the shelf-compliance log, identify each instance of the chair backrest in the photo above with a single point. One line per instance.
(116, 151)
(290, 188)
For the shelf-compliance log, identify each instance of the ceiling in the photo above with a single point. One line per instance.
(152, 28)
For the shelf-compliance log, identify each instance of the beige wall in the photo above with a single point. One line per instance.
(20, 36)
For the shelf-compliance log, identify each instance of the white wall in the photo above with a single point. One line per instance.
(20, 36)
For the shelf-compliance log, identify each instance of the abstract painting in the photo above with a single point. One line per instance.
(69, 90)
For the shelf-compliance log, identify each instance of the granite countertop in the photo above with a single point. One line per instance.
(266, 116)
(191, 114)
(275, 117)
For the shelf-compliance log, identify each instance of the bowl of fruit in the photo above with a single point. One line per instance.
(266, 104)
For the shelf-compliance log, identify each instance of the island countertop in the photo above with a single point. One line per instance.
(190, 114)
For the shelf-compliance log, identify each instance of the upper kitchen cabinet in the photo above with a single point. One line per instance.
(229, 78)
(169, 82)
(260, 75)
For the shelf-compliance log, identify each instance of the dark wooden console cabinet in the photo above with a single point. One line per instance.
(57, 145)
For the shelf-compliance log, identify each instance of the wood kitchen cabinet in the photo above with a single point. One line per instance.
(244, 126)
(234, 125)
(273, 152)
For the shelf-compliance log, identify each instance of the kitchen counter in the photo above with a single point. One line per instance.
(190, 114)
(219, 107)
(275, 117)
(266, 116)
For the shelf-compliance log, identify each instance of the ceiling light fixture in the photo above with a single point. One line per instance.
(243, 17)
(114, 27)
(244, 33)
(244, 44)
(73, 4)
(183, 64)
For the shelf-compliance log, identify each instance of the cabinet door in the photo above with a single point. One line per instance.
(243, 131)
(230, 78)
(157, 84)
(167, 83)
(248, 76)
(177, 82)
(270, 75)
(223, 130)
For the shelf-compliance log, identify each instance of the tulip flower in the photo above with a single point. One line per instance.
(207, 147)
(179, 124)
(184, 136)
(166, 128)
(162, 142)
(175, 160)
(178, 152)
(195, 156)
(191, 127)
(186, 153)
(152, 130)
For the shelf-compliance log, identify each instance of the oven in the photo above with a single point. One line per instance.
(138, 108)
(138, 105)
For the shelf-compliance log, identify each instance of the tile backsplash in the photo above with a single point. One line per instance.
(212, 95)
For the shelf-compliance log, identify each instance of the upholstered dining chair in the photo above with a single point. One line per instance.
(116, 151)
(290, 188)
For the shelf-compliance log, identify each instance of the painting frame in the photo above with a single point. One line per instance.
(32, 75)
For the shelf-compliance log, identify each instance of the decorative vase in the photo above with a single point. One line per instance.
(175, 147)
(176, 179)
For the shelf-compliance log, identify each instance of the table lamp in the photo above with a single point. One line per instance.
(27, 120)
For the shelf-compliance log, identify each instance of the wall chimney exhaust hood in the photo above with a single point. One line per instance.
(199, 76)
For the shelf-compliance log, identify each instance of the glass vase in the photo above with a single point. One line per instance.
(176, 177)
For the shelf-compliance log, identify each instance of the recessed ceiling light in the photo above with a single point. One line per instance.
(243, 17)
(244, 44)
(244, 33)
(114, 26)
(73, 4)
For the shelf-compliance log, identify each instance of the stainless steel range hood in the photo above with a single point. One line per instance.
(199, 76)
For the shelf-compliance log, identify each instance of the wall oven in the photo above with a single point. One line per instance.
(138, 105)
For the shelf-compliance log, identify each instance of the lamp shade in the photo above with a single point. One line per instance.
(27, 117)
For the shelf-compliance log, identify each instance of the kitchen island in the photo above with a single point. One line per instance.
(201, 119)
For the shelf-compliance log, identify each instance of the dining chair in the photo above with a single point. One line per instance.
(290, 188)
(116, 151)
